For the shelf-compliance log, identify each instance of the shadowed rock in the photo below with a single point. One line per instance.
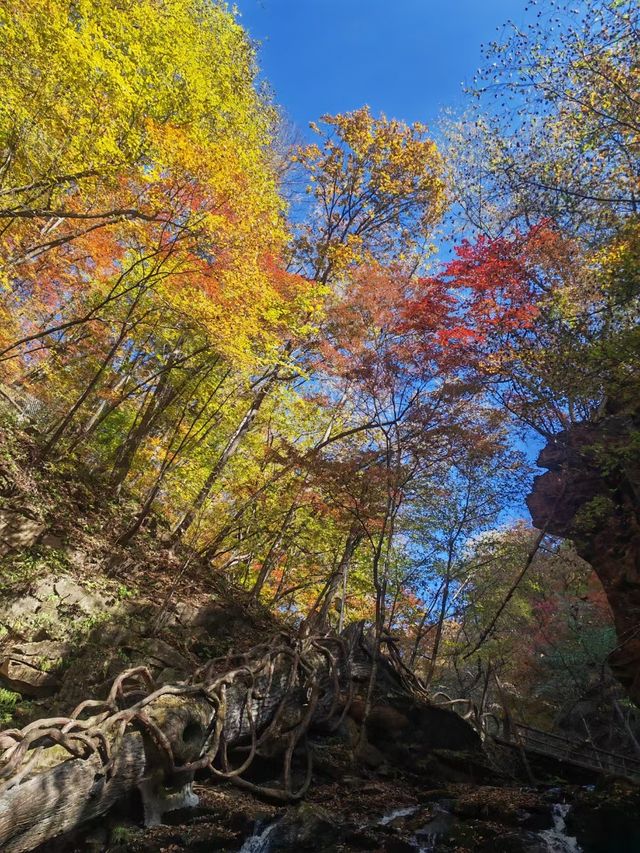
(591, 494)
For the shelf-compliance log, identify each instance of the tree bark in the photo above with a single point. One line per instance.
(227, 453)
(60, 792)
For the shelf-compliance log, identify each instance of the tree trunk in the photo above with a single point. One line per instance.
(354, 538)
(162, 740)
(439, 627)
(160, 399)
(229, 450)
(168, 463)
(66, 420)
(58, 774)
(274, 550)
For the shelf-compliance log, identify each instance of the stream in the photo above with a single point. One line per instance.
(556, 838)
(428, 837)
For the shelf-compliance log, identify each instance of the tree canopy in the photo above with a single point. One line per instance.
(306, 396)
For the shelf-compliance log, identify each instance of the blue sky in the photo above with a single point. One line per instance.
(406, 58)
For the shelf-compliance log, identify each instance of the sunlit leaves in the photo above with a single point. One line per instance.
(378, 191)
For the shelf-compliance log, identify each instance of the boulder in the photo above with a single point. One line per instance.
(305, 827)
(31, 668)
(18, 531)
(405, 730)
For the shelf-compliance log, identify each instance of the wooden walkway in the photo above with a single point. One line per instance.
(580, 754)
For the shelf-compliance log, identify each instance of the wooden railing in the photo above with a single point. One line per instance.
(579, 753)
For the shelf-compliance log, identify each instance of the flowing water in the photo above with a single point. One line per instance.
(426, 839)
(556, 838)
(406, 812)
(259, 841)
(437, 828)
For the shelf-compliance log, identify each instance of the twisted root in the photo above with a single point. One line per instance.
(97, 727)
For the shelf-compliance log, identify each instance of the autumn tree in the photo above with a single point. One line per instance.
(376, 187)
(552, 131)
(142, 285)
(544, 173)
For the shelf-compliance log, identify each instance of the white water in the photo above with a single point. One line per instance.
(556, 838)
(409, 810)
(259, 843)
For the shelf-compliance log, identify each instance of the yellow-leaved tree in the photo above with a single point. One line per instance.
(141, 118)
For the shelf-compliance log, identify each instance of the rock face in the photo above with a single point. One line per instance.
(591, 494)
(61, 637)
(31, 668)
(17, 531)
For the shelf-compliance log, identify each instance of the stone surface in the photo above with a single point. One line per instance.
(51, 607)
(43, 628)
(31, 668)
(160, 654)
(17, 531)
(591, 494)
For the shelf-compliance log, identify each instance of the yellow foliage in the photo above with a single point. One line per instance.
(379, 189)
(144, 113)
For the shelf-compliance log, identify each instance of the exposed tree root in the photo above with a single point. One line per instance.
(57, 773)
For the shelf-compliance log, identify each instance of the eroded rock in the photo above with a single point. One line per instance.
(591, 494)
(31, 669)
